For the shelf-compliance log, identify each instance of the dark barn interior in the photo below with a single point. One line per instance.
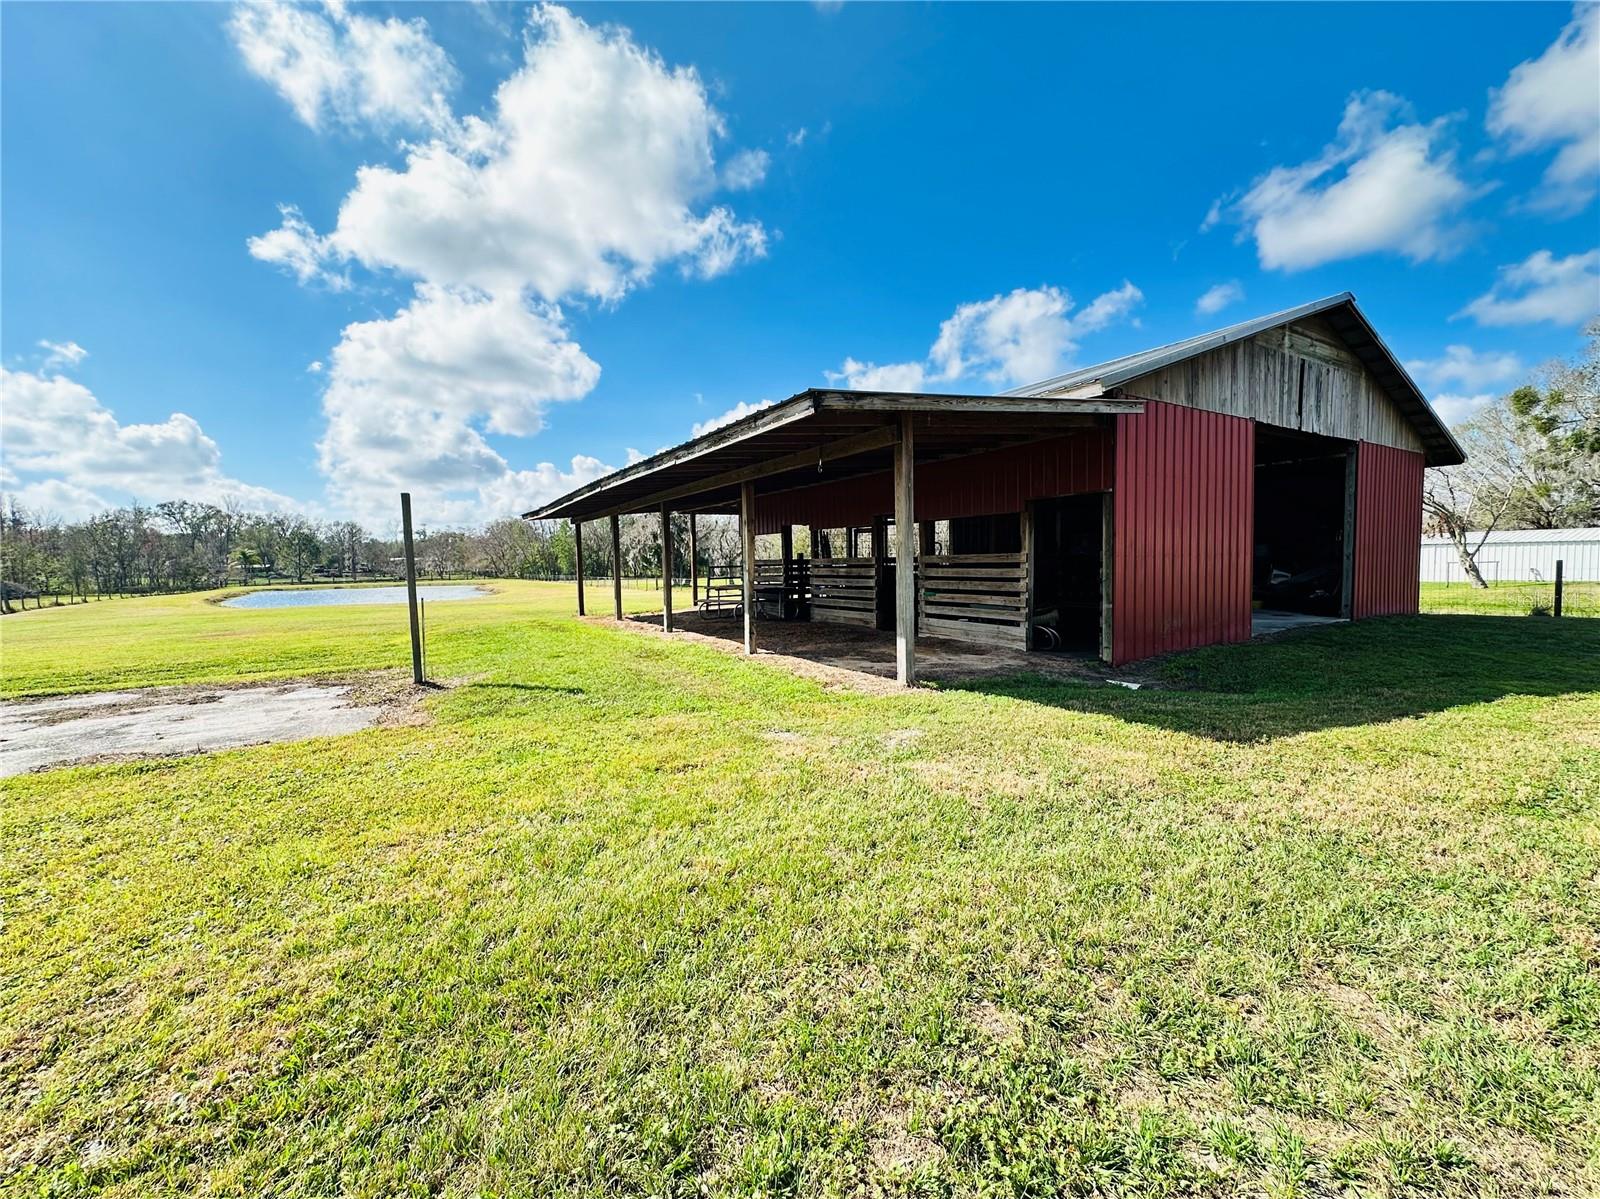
(1301, 498)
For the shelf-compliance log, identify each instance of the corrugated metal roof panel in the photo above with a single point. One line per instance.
(1348, 320)
(1525, 537)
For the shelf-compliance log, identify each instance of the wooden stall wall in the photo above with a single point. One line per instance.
(1184, 514)
(1388, 531)
(980, 598)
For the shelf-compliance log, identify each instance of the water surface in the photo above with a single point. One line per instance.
(325, 596)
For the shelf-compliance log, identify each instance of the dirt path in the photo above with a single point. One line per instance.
(38, 734)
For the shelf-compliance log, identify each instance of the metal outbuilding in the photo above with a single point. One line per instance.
(1518, 556)
(1149, 504)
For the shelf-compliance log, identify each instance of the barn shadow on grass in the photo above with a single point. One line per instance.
(1338, 676)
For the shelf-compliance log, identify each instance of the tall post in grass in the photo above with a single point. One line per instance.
(411, 588)
(747, 547)
(694, 561)
(666, 569)
(1556, 610)
(616, 563)
(577, 547)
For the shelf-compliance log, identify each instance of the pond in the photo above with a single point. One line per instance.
(324, 597)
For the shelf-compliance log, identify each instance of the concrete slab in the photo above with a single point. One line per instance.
(1266, 621)
(36, 734)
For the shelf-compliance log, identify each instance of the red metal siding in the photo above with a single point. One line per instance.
(1184, 512)
(977, 485)
(1388, 530)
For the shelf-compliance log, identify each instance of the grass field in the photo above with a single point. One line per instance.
(1510, 599)
(636, 917)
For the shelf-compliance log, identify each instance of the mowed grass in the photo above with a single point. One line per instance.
(1510, 599)
(632, 917)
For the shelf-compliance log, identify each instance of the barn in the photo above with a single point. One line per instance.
(1257, 476)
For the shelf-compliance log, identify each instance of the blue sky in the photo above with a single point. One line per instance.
(310, 256)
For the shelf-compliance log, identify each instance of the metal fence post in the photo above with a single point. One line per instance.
(1557, 608)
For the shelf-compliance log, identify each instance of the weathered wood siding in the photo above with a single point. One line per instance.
(1297, 377)
(1184, 501)
(981, 598)
(844, 591)
(1388, 531)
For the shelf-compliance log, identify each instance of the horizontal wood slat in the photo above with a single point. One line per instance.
(844, 591)
(979, 598)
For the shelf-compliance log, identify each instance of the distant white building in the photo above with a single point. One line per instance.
(1518, 556)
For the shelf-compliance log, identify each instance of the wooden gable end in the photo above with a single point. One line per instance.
(1299, 376)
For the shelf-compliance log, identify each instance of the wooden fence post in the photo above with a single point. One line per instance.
(411, 588)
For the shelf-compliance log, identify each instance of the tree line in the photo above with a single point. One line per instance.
(1533, 461)
(180, 545)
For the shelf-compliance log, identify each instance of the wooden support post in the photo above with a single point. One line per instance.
(1556, 610)
(1347, 556)
(577, 542)
(747, 544)
(616, 563)
(1029, 533)
(814, 540)
(905, 556)
(666, 569)
(1108, 562)
(786, 552)
(694, 560)
(926, 545)
(411, 588)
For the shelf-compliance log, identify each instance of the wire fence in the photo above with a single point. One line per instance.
(1512, 599)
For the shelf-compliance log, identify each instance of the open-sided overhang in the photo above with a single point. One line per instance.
(820, 435)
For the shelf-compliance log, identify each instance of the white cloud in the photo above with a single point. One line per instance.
(339, 67)
(1462, 366)
(595, 166)
(410, 399)
(1217, 297)
(295, 246)
(1454, 409)
(60, 354)
(68, 454)
(746, 169)
(891, 376)
(583, 180)
(738, 412)
(797, 137)
(1025, 335)
(1018, 337)
(1384, 184)
(1564, 291)
(1554, 100)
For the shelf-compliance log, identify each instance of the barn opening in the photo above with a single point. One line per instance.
(1068, 572)
(1303, 519)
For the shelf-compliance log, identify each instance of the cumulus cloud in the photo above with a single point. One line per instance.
(338, 67)
(1553, 101)
(1017, 337)
(60, 355)
(296, 247)
(411, 398)
(1455, 408)
(583, 179)
(746, 169)
(1464, 367)
(1217, 297)
(1385, 184)
(1562, 291)
(738, 412)
(594, 167)
(891, 376)
(67, 453)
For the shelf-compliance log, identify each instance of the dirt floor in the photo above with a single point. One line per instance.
(863, 659)
(110, 726)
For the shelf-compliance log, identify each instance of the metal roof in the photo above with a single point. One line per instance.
(822, 435)
(808, 423)
(1526, 537)
(1340, 311)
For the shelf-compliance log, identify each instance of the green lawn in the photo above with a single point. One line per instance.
(638, 917)
(1511, 599)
